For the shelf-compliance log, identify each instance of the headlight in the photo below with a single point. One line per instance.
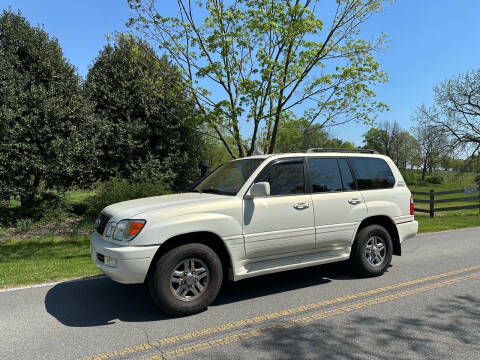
(110, 228)
(126, 230)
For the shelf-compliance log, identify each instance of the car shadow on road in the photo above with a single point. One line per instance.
(282, 282)
(101, 301)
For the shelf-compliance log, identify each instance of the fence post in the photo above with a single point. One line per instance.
(432, 204)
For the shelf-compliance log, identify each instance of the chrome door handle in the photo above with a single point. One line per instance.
(301, 206)
(354, 201)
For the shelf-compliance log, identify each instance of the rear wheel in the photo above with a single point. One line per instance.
(372, 251)
(186, 279)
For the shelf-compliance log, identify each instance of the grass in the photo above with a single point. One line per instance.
(78, 196)
(447, 220)
(45, 259)
(61, 252)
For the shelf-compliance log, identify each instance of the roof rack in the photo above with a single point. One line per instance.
(364, 151)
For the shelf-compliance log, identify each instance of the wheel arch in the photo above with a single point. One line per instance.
(207, 238)
(389, 225)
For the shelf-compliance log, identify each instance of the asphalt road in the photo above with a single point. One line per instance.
(426, 306)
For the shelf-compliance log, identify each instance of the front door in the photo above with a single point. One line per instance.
(283, 222)
(339, 206)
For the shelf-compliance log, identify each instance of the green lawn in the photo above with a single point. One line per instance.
(78, 196)
(30, 259)
(45, 259)
(447, 220)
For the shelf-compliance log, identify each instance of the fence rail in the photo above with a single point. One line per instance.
(432, 201)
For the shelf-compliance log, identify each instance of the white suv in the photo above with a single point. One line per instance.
(254, 216)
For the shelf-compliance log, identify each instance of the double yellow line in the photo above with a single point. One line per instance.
(288, 323)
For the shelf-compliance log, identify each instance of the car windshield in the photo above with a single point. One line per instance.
(228, 178)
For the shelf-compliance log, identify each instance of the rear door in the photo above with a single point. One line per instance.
(376, 181)
(338, 205)
(281, 223)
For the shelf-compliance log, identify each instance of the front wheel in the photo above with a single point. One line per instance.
(186, 279)
(372, 251)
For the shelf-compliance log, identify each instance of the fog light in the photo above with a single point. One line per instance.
(110, 261)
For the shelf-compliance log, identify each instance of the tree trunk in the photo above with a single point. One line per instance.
(27, 200)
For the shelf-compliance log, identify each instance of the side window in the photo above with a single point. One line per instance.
(347, 178)
(285, 179)
(372, 173)
(325, 175)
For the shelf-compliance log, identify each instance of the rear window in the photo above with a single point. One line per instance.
(372, 173)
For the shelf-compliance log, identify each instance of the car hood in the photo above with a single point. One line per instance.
(132, 208)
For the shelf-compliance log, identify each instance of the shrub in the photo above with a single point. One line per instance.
(79, 208)
(477, 181)
(410, 178)
(116, 190)
(24, 225)
(434, 179)
(47, 205)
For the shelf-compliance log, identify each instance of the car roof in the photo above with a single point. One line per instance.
(314, 154)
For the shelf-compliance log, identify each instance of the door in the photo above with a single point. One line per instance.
(376, 182)
(281, 223)
(338, 205)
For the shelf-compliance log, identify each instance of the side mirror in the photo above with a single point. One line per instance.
(259, 189)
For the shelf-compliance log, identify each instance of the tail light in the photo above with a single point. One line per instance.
(411, 206)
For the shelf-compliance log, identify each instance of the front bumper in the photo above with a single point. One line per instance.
(132, 262)
(407, 230)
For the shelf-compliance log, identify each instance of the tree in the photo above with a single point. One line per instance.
(46, 129)
(389, 139)
(297, 135)
(372, 140)
(384, 139)
(253, 61)
(458, 100)
(147, 115)
(432, 139)
(407, 150)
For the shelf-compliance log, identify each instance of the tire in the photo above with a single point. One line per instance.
(173, 285)
(365, 258)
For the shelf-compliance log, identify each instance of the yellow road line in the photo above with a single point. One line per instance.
(305, 320)
(270, 316)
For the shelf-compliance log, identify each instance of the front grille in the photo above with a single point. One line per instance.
(101, 223)
(101, 258)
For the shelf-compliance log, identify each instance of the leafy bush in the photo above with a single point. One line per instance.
(79, 208)
(477, 181)
(116, 190)
(410, 178)
(47, 205)
(434, 179)
(24, 225)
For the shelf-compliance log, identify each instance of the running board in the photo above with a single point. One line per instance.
(290, 263)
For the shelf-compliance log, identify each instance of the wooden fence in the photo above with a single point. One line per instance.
(432, 201)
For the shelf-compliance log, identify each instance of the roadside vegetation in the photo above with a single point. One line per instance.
(44, 259)
(143, 118)
(446, 220)
(57, 247)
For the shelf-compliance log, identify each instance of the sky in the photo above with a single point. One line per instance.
(429, 41)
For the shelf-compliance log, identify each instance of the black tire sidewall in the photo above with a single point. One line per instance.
(159, 283)
(359, 259)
